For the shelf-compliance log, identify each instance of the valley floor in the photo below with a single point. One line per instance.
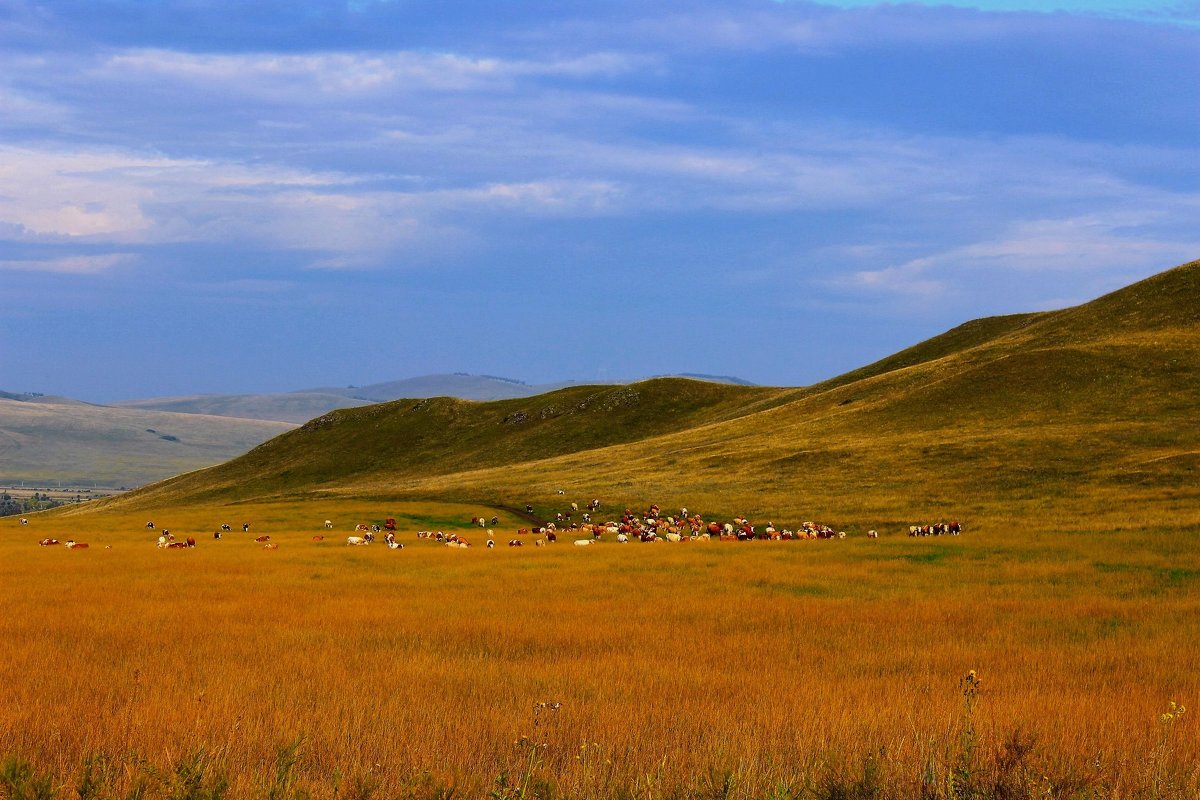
(705, 669)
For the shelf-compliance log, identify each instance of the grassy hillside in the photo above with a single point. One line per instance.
(416, 439)
(1088, 410)
(297, 407)
(49, 440)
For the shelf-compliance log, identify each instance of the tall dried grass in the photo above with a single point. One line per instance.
(789, 669)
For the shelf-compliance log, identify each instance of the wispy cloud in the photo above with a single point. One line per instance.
(71, 265)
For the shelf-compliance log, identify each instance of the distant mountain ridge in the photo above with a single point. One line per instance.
(305, 404)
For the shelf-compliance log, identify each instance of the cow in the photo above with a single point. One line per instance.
(74, 545)
(318, 538)
(176, 545)
(190, 542)
(263, 538)
(226, 527)
(394, 545)
(24, 521)
(357, 541)
(149, 525)
(328, 524)
(515, 543)
(245, 527)
(48, 542)
(216, 534)
(491, 544)
(583, 542)
(270, 546)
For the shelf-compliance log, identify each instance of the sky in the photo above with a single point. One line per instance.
(204, 196)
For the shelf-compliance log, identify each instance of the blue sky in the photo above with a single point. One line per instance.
(243, 197)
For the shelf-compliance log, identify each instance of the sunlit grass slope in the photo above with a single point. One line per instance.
(1084, 411)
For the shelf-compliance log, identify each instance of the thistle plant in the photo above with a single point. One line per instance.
(1167, 722)
(962, 777)
(533, 748)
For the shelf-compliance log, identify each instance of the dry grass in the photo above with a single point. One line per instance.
(786, 665)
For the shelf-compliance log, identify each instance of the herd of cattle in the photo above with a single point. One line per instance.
(652, 525)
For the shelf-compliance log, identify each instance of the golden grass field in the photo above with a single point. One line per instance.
(768, 669)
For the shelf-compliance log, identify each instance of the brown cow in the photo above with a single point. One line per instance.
(262, 539)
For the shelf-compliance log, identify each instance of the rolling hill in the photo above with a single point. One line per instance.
(58, 441)
(306, 404)
(1087, 411)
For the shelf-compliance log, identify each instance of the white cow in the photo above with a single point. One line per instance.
(357, 541)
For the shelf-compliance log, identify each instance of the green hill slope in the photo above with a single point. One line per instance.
(1084, 411)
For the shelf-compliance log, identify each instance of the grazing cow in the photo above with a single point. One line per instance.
(245, 527)
(491, 544)
(357, 541)
(528, 509)
(190, 542)
(495, 521)
(872, 534)
(328, 524)
(389, 524)
(369, 536)
(226, 527)
(149, 525)
(216, 534)
(551, 536)
(48, 542)
(263, 538)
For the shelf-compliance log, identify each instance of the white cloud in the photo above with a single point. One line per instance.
(1090, 246)
(319, 77)
(71, 265)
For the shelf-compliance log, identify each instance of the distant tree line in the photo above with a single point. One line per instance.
(10, 505)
